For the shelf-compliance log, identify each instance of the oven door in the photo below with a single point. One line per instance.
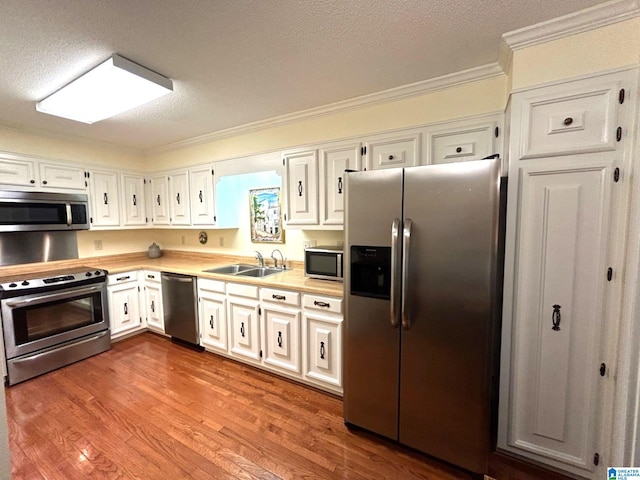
(33, 322)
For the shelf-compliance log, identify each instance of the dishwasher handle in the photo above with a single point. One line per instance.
(176, 278)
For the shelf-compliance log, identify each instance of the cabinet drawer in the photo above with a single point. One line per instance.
(151, 276)
(584, 121)
(280, 296)
(326, 304)
(124, 277)
(248, 291)
(457, 146)
(211, 285)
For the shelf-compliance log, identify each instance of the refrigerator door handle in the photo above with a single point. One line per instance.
(395, 238)
(406, 243)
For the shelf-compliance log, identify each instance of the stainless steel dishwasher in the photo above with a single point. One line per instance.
(179, 299)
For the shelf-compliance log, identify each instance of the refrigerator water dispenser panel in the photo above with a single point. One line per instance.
(371, 271)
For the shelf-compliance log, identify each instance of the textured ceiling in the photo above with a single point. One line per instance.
(239, 61)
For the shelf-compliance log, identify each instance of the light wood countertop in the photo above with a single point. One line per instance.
(188, 263)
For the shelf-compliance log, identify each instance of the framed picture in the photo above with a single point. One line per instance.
(265, 215)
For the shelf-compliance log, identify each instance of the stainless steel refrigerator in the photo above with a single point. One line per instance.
(423, 292)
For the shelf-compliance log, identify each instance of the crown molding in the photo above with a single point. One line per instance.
(393, 94)
(592, 18)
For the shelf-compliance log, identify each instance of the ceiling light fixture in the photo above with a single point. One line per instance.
(113, 87)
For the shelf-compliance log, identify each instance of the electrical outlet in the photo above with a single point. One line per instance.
(221, 241)
(97, 244)
(182, 240)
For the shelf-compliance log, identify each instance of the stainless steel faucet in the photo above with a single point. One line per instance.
(260, 259)
(275, 260)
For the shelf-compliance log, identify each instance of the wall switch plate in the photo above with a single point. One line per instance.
(97, 244)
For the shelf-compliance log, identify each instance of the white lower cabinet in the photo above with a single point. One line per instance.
(154, 314)
(244, 322)
(323, 341)
(212, 306)
(281, 319)
(124, 303)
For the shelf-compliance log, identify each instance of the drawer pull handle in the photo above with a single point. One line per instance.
(158, 200)
(321, 304)
(555, 318)
(126, 308)
(300, 188)
(105, 198)
(178, 198)
(200, 196)
(119, 279)
(135, 201)
(242, 329)
(211, 321)
(151, 276)
(280, 339)
(339, 185)
(568, 121)
(153, 306)
(278, 297)
(322, 350)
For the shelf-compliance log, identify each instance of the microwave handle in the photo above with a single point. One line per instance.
(339, 266)
(69, 216)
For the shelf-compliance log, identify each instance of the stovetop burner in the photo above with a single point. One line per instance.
(49, 280)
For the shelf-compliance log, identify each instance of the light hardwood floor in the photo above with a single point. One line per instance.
(149, 409)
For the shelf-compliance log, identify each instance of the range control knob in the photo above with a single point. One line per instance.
(25, 283)
(88, 274)
(12, 285)
(98, 272)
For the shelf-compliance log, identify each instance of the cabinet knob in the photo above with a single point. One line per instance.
(32, 181)
(458, 149)
(44, 182)
(390, 157)
(568, 121)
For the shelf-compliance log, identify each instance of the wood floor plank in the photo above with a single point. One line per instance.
(149, 409)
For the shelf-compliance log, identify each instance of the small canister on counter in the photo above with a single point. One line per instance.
(154, 251)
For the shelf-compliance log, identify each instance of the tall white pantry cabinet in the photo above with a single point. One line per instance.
(570, 150)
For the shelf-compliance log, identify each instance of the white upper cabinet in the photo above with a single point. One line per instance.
(202, 196)
(179, 212)
(334, 160)
(65, 177)
(133, 200)
(399, 149)
(105, 205)
(462, 142)
(17, 172)
(302, 187)
(160, 199)
(583, 119)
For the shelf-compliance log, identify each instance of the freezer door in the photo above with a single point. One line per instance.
(371, 342)
(448, 319)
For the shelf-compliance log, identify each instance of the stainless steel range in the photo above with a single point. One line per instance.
(52, 319)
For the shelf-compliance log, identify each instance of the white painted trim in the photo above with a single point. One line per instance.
(584, 20)
(476, 74)
(592, 18)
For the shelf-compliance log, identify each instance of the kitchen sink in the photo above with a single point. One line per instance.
(231, 269)
(243, 270)
(259, 272)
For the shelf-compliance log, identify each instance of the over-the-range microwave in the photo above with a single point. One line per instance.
(42, 211)
(323, 262)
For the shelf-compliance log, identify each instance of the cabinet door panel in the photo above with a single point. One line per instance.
(282, 346)
(394, 151)
(159, 199)
(334, 161)
(133, 200)
(202, 196)
(104, 199)
(245, 329)
(153, 297)
(471, 143)
(302, 188)
(61, 176)
(179, 199)
(17, 172)
(323, 350)
(124, 308)
(560, 278)
(213, 320)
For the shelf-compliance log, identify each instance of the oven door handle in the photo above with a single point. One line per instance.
(52, 297)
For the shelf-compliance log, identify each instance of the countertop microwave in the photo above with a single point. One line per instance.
(41, 211)
(323, 262)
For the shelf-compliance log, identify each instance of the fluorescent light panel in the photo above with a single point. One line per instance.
(113, 87)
